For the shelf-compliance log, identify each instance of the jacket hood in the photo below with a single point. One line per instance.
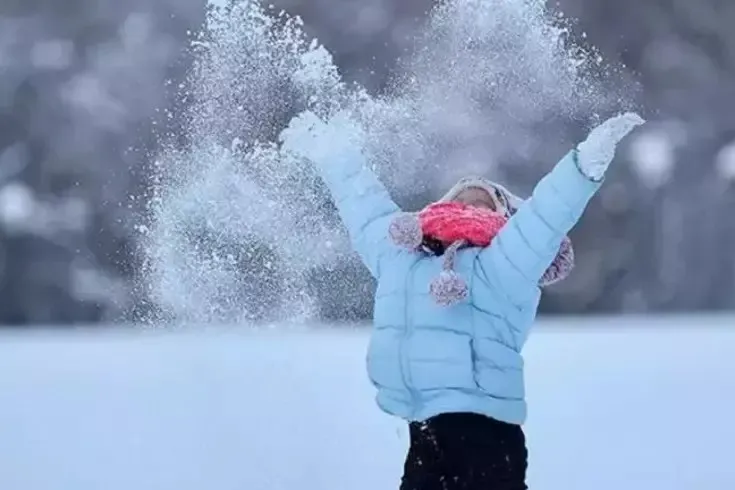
(502, 196)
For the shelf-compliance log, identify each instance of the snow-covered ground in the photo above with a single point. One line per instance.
(619, 403)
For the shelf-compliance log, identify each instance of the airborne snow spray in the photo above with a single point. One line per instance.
(237, 228)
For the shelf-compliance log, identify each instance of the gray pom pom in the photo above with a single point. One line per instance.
(405, 231)
(448, 289)
(562, 265)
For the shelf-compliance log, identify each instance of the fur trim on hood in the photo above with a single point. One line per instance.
(449, 288)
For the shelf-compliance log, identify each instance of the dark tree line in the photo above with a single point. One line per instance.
(87, 88)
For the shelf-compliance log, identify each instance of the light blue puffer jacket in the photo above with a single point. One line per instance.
(426, 359)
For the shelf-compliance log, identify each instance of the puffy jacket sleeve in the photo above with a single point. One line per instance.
(363, 204)
(525, 247)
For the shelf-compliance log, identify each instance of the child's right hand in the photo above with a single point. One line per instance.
(308, 136)
(596, 152)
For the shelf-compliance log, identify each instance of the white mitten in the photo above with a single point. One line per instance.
(596, 152)
(307, 136)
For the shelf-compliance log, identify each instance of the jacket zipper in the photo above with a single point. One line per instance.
(407, 332)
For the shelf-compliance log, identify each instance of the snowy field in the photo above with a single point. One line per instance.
(619, 403)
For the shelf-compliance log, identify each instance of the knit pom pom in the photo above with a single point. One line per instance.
(562, 265)
(405, 231)
(448, 288)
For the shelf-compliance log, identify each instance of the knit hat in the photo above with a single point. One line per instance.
(456, 225)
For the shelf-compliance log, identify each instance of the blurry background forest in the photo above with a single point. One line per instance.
(86, 85)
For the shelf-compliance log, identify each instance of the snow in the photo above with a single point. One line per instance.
(17, 206)
(614, 403)
(653, 157)
(725, 162)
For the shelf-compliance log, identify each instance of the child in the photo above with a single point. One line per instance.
(458, 286)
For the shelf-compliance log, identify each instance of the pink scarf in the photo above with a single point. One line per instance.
(456, 225)
(451, 222)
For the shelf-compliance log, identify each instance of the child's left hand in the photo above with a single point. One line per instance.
(597, 151)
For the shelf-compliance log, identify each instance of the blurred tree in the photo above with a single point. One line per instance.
(91, 88)
(81, 81)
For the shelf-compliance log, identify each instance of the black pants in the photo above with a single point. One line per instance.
(465, 451)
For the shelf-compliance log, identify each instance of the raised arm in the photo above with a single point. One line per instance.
(363, 203)
(525, 247)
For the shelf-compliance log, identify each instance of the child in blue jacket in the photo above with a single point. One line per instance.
(455, 302)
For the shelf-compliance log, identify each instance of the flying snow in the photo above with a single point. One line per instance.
(237, 227)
